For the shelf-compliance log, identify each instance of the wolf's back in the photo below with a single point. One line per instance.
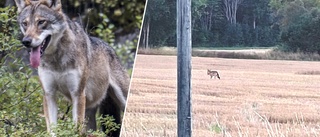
(118, 72)
(112, 104)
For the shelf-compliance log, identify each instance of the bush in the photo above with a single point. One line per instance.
(303, 36)
(20, 92)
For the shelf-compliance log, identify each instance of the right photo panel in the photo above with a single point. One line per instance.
(255, 70)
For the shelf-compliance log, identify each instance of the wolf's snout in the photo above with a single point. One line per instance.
(26, 41)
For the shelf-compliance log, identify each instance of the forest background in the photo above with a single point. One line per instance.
(288, 25)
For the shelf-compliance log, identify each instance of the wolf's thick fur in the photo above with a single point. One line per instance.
(84, 69)
(213, 73)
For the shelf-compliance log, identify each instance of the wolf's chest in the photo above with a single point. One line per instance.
(66, 82)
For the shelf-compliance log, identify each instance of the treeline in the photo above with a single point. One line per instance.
(292, 25)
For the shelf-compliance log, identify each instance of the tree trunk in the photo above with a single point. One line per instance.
(206, 19)
(210, 19)
(254, 22)
(147, 38)
(143, 39)
(230, 9)
(145, 33)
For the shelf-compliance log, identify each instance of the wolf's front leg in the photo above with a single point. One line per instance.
(78, 109)
(75, 82)
(50, 110)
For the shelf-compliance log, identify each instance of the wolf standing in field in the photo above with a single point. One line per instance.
(83, 68)
(213, 73)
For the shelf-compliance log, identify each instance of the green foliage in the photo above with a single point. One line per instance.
(216, 128)
(104, 31)
(210, 27)
(8, 29)
(209, 22)
(233, 35)
(108, 122)
(67, 128)
(294, 24)
(160, 14)
(20, 92)
(124, 16)
(126, 53)
(301, 30)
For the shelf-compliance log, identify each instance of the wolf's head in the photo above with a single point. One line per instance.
(40, 22)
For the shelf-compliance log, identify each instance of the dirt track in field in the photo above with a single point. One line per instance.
(253, 98)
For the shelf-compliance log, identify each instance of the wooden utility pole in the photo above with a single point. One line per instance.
(184, 67)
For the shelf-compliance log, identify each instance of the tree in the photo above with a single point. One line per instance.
(208, 21)
(230, 9)
(159, 24)
(299, 26)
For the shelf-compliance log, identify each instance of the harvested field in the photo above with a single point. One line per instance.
(253, 98)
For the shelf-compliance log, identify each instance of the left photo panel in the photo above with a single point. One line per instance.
(66, 65)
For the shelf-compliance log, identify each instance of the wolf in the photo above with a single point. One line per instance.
(213, 73)
(84, 69)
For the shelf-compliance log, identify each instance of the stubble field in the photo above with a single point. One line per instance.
(253, 98)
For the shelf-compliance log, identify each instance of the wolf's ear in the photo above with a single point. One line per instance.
(21, 4)
(53, 4)
(56, 5)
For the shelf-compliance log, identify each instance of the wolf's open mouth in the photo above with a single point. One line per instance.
(36, 52)
(44, 44)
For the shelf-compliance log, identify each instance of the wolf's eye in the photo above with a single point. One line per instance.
(25, 24)
(41, 22)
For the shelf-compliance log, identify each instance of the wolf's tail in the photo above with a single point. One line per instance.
(110, 106)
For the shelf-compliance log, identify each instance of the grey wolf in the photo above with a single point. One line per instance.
(213, 73)
(84, 69)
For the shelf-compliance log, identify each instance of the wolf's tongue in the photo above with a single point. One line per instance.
(35, 57)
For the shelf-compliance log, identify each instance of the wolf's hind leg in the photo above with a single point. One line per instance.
(91, 123)
(112, 107)
(117, 94)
